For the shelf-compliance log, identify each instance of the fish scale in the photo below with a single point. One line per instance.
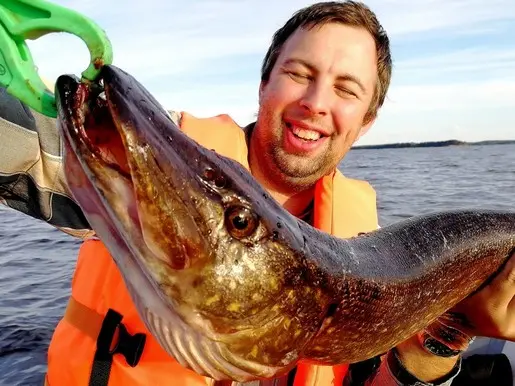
(229, 282)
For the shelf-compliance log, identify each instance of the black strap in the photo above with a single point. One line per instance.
(359, 373)
(404, 377)
(130, 346)
(291, 376)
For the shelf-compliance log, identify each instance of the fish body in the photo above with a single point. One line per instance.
(231, 284)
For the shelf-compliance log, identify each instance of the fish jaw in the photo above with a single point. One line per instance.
(234, 263)
(161, 204)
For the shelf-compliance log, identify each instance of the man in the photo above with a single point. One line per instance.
(324, 79)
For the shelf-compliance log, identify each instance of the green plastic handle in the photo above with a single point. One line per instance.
(22, 20)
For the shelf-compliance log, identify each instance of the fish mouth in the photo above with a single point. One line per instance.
(136, 191)
(114, 129)
(152, 195)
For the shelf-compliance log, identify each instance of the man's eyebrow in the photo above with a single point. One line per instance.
(341, 78)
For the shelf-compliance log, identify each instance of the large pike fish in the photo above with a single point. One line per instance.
(231, 284)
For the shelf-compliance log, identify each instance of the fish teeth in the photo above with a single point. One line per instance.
(203, 355)
(306, 134)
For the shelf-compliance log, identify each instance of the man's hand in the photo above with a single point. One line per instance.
(488, 313)
(491, 311)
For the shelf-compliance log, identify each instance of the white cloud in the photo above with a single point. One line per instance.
(469, 111)
(171, 36)
(177, 48)
(482, 59)
(238, 100)
(456, 96)
(404, 17)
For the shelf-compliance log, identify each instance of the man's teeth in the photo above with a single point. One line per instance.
(306, 134)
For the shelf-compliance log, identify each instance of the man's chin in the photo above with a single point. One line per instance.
(298, 173)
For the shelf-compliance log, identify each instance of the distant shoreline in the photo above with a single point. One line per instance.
(452, 142)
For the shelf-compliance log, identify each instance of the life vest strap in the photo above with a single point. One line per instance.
(111, 336)
(85, 319)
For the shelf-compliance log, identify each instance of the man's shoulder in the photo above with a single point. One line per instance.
(178, 115)
(344, 180)
(223, 124)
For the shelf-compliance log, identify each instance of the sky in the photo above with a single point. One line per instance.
(453, 74)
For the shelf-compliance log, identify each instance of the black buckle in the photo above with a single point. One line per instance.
(130, 346)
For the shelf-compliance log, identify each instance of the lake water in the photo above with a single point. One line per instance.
(36, 261)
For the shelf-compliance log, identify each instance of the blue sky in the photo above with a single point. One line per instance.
(454, 60)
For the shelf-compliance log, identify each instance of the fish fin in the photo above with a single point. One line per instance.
(449, 329)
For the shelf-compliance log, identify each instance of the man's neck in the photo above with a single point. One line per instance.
(294, 202)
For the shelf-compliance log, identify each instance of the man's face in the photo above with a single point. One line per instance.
(312, 109)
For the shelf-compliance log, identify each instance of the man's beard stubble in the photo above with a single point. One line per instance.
(296, 172)
(292, 173)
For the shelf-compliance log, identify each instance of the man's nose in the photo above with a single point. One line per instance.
(316, 99)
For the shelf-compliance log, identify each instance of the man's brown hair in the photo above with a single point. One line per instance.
(349, 13)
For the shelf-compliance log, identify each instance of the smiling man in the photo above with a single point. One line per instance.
(324, 78)
(315, 100)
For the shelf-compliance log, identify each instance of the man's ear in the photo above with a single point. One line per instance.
(262, 86)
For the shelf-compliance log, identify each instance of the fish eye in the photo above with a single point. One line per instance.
(240, 221)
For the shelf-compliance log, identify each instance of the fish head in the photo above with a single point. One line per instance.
(200, 244)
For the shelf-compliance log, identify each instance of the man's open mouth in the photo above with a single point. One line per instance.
(304, 134)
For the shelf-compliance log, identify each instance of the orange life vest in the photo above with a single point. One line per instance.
(343, 207)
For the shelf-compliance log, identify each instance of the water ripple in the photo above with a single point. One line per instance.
(36, 260)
